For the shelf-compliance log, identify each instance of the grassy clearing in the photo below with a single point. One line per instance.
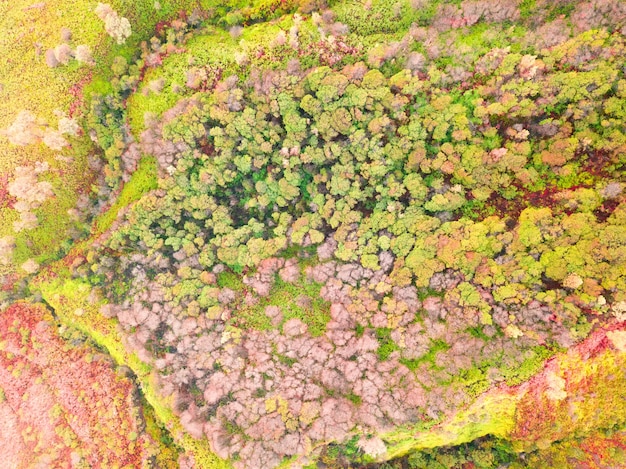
(315, 316)
(492, 414)
(429, 357)
(384, 16)
(213, 48)
(143, 180)
(200, 51)
(284, 295)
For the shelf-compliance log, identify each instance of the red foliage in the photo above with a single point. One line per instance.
(76, 90)
(606, 209)
(541, 418)
(604, 449)
(6, 199)
(62, 405)
(525, 198)
(330, 53)
(161, 28)
(597, 164)
(9, 282)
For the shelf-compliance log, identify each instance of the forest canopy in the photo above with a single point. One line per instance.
(318, 232)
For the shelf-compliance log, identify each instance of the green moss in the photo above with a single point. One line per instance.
(98, 85)
(228, 279)
(436, 346)
(564, 9)
(285, 296)
(530, 366)
(425, 14)
(154, 103)
(386, 345)
(285, 360)
(527, 9)
(490, 415)
(315, 317)
(200, 51)
(354, 398)
(306, 255)
(474, 381)
(423, 293)
(384, 16)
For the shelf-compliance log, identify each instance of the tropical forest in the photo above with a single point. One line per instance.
(313, 234)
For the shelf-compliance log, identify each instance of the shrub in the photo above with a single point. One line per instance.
(24, 130)
(116, 26)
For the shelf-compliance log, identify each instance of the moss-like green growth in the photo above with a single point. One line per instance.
(296, 301)
(436, 346)
(200, 51)
(228, 279)
(143, 180)
(383, 17)
(532, 364)
(492, 414)
(386, 345)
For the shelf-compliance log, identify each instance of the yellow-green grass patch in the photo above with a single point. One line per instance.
(27, 83)
(143, 180)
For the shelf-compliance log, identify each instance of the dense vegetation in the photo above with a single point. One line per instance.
(321, 229)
